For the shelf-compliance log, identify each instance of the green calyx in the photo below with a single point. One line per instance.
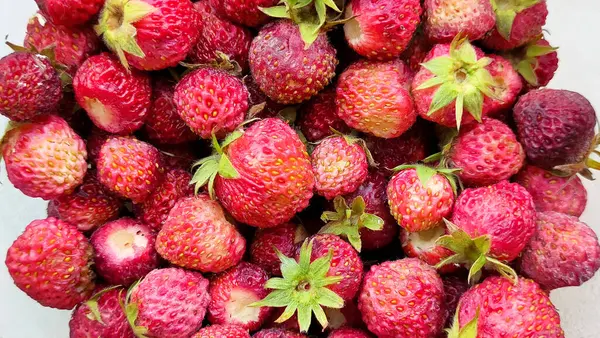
(467, 331)
(49, 53)
(216, 164)
(346, 221)
(473, 252)
(303, 288)
(506, 12)
(92, 304)
(527, 64)
(221, 61)
(116, 26)
(425, 174)
(582, 168)
(131, 311)
(461, 78)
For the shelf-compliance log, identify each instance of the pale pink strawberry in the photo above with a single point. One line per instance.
(445, 19)
(517, 23)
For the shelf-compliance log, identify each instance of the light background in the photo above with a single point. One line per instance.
(572, 25)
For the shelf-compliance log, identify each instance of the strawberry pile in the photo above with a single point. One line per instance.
(280, 169)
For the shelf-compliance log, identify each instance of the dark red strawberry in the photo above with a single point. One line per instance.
(423, 245)
(70, 13)
(101, 316)
(285, 238)
(454, 287)
(348, 333)
(243, 12)
(517, 22)
(278, 333)
(445, 19)
(318, 116)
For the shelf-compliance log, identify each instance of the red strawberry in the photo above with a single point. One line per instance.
(117, 101)
(149, 34)
(90, 206)
(196, 235)
(405, 291)
(566, 195)
(318, 116)
(486, 153)
(381, 30)
(220, 36)
(29, 86)
(536, 62)
(130, 168)
(168, 303)
(222, 331)
(155, 209)
(245, 13)
(232, 292)
(348, 333)
(501, 304)
(101, 316)
(373, 97)
(50, 261)
(284, 238)
(44, 158)
(454, 287)
(163, 124)
(211, 101)
(70, 13)
(445, 19)
(285, 69)
(563, 252)
(278, 333)
(509, 84)
(416, 51)
(422, 245)
(94, 143)
(517, 22)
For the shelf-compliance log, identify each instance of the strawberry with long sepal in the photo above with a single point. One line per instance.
(303, 288)
(536, 62)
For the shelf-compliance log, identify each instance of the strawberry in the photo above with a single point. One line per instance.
(318, 116)
(265, 178)
(492, 308)
(509, 84)
(163, 123)
(196, 235)
(218, 38)
(422, 245)
(124, 251)
(70, 13)
(101, 316)
(454, 287)
(44, 157)
(89, 206)
(94, 142)
(283, 238)
(405, 291)
(245, 13)
(416, 51)
(373, 97)
(348, 333)
(257, 97)
(443, 22)
(290, 73)
(566, 195)
(100, 86)
(536, 62)
(381, 30)
(50, 261)
(278, 333)
(517, 23)
(211, 101)
(231, 293)
(130, 168)
(563, 252)
(149, 34)
(29, 86)
(168, 303)
(348, 316)
(486, 153)
(224, 331)
(155, 209)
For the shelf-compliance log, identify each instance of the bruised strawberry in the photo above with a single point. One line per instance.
(284, 238)
(454, 287)
(348, 333)
(517, 22)
(416, 51)
(445, 19)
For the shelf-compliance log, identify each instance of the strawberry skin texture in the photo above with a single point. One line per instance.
(222, 331)
(348, 333)
(70, 13)
(278, 333)
(94, 142)
(447, 18)
(276, 179)
(114, 324)
(171, 302)
(117, 101)
(454, 287)
(417, 207)
(505, 309)
(340, 167)
(318, 117)
(486, 153)
(284, 238)
(130, 168)
(381, 30)
(29, 86)
(402, 298)
(44, 158)
(284, 69)
(563, 252)
(231, 293)
(243, 12)
(503, 211)
(416, 51)
(373, 97)
(51, 262)
(422, 245)
(526, 27)
(197, 236)
(566, 195)
(211, 100)
(257, 96)
(509, 84)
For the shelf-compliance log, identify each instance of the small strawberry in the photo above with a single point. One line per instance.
(29, 86)
(416, 51)
(197, 236)
(289, 73)
(211, 102)
(116, 100)
(167, 303)
(517, 23)
(278, 333)
(70, 13)
(348, 333)
(423, 245)
(51, 262)
(536, 62)
(101, 316)
(566, 195)
(508, 85)
(130, 168)
(94, 142)
(284, 239)
(373, 97)
(318, 117)
(149, 34)
(454, 287)
(563, 252)
(443, 22)
(222, 331)
(405, 291)
(381, 30)
(44, 157)
(247, 13)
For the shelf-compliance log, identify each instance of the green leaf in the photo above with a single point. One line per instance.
(331, 4)
(441, 66)
(320, 266)
(289, 267)
(136, 10)
(277, 298)
(277, 283)
(470, 330)
(309, 33)
(280, 12)
(372, 222)
(504, 22)
(231, 138)
(226, 168)
(474, 104)
(504, 270)
(443, 96)
(454, 331)
(458, 109)
(476, 268)
(305, 255)
(202, 176)
(289, 311)
(329, 299)
(534, 51)
(466, 53)
(331, 216)
(358, 205)
(302, 3)
(483, 244)
(434, 81)
(525, 68)
(425, 174)
(320, 315)
(454, 259)
(92, 303)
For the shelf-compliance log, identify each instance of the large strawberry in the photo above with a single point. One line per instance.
(517, 22)
(101, 316)
(443, 21)
(243, 12)
(71, 13)
(268, 242)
